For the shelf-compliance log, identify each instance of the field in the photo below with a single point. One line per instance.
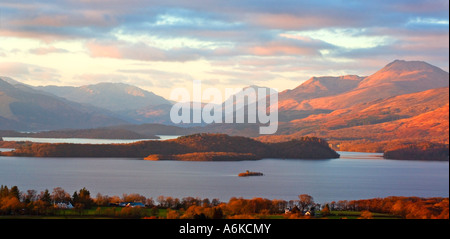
(151, 213)
(96, 213)
(356, 215)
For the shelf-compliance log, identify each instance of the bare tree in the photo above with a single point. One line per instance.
(161, 201)
(306, 201)
(30, 196)
(60, 196)
(134, 197)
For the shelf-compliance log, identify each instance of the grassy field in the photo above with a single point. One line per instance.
(117, 212)
(95, 213)
(356, 215)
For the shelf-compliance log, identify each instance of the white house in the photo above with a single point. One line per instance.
(62, 205)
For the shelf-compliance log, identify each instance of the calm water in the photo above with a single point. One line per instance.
(353, 176)
(85, 141)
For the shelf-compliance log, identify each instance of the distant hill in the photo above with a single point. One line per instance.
(111, 96)
(99, 133)
(26, 109)
(430, 126)
(122, 131)
(415, 117)
(159, 114)
(317, 87)
(391, 109)
(155, 129)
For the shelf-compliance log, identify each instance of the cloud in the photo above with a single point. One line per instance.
(272, 49)
(47, 50)
(283, 45)
(431, 8)
(244, 77)
(29, 73)
(157, 78)
(140, 51)
(275, 46)
(216, 14)
(14, 68)
(430, 45)
(290, 22)
(101, 78)
(53, 20)
(104, 50)
(235, 39)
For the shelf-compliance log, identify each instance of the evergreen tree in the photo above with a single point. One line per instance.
(46, 198)
(82, 199)
(4, 191)
(218, 213)
(14, 192)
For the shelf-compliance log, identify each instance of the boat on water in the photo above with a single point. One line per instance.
(248, 173)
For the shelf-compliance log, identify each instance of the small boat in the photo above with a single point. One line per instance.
(248, 173)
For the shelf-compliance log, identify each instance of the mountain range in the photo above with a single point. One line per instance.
(396, 78)
(405, 100)
(115, 97)
(26, 109)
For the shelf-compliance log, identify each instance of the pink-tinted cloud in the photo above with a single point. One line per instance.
(144, 52)
(107, 50)
(276, 49)
(293, 22)
(47, 50)
(62, 18)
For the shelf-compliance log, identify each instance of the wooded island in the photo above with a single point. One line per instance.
(199, 147)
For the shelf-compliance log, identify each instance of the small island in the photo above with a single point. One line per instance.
(248, 173)
(204, 156)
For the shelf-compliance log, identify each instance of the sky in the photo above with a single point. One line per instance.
(162, 45)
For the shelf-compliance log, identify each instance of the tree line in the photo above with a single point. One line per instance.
(15, 202)
(405, 207)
